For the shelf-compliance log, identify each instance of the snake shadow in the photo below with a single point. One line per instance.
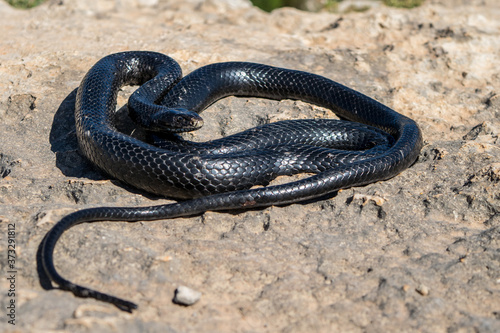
(64, 144)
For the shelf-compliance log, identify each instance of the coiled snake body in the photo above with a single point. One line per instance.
(218, 175)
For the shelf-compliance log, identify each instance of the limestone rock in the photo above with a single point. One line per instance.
(186, 296)
(351, 262)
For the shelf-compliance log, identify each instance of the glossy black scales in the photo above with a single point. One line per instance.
(218, 175)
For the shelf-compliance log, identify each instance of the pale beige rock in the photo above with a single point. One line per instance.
(349, 263)
(186, 296)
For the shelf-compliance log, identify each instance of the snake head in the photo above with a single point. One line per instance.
(175, 120)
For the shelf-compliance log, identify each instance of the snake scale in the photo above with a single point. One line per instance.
(371, 143)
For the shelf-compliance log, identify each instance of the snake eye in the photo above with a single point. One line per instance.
(180, 121)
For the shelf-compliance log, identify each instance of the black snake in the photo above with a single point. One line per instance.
(219, 175)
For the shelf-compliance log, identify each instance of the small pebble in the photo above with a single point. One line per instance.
(186, 296)
(423, 290)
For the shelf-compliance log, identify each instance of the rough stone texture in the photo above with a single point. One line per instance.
(419, 252)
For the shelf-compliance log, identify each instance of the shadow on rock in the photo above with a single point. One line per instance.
(65, 145)
(43, 278)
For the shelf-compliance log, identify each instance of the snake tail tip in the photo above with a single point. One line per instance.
(124, 305)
